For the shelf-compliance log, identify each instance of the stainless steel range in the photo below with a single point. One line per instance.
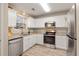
(49, 36)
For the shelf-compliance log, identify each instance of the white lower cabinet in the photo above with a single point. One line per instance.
(33, 39)
(25, 43)
(62, 42)
(30, 40)
(39, 39)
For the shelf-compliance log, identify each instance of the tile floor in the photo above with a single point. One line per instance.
(39, 50)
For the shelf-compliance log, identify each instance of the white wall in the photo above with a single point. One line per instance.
(4, 28)
(77, 22)
(0, 48)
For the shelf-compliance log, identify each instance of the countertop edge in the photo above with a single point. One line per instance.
(14, 38)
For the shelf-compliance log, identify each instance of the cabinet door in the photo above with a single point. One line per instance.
(31, 40)
(39, 39)
(60, 21)
(34, 38)
(61, 42)
(28, 42)
(25, 43)
(30, 22)
(12, 18)
(38, 23)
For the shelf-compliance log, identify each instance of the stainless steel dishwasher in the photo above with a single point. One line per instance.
(16, 46)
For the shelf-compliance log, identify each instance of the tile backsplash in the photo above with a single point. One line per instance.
(59, 30)
(36, 30)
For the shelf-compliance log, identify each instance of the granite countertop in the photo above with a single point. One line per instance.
(20, 36)
(15, 37)
(59, 32)
(33, 33)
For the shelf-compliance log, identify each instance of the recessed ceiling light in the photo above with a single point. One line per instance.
(45, 7)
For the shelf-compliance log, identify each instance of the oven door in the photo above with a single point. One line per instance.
(49, 39)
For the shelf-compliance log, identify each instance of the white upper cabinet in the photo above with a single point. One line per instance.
(40, 22)
(60, 21)
(32, 23)
(12, 18)
(29, 22)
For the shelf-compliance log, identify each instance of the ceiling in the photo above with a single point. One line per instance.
(35, 9)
